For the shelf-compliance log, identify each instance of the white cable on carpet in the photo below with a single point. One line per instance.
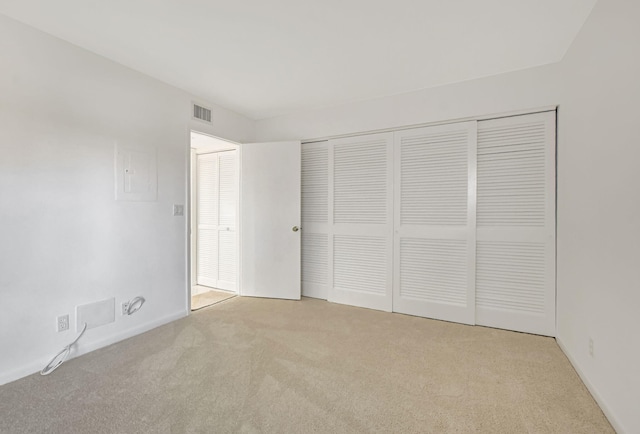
(59, 358)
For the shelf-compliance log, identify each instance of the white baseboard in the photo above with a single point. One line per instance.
(32, 368)
(594, 392)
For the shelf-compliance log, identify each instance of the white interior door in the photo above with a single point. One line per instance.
(216, 204)
(269, 220)
(434, 243)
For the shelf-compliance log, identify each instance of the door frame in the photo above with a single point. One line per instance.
(190, 215)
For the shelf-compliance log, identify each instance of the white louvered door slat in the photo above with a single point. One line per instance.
(434, 245)
(360, 230)
(207, 220)
(227, 205)
(515, 280)
(315, 218)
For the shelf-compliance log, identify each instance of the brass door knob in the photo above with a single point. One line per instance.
(295, 229)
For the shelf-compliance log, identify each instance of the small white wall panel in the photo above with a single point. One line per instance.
(136, 173)
(515, 282)
(434, 259)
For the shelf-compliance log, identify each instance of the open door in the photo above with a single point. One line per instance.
(270, 220)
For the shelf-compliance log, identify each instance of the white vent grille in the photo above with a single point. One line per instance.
(434, 270)
(314, 257)
(360, 263)
(228, 188)
(315, 185)
(511, 174)
(201, 113)
(511, 275)
(360, 182)
(434, 174)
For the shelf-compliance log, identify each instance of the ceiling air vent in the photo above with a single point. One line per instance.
(202, 113)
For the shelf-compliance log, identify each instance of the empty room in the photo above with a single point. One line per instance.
(335, 217)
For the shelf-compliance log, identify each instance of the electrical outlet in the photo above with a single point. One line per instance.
(125, 307)
(63, 323)
(591, 347)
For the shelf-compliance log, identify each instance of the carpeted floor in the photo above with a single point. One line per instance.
(209, 297)
(258, 365)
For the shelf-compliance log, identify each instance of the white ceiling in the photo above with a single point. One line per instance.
(264, 58)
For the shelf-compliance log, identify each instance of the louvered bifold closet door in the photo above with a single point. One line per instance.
(207, 220)
(515, 283)
(361, 211)
(434, 246)
(227, 205)
(315, 219)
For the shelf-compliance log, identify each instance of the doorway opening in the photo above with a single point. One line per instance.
(214, 220)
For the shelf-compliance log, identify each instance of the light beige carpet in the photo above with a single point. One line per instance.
(258, 365)
(208, 298)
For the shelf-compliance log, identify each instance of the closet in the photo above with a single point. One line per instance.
(453, 222)
(216, 208)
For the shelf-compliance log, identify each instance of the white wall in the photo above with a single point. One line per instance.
(532, 88)
(64, 240)
(599, 208)
(597, 89)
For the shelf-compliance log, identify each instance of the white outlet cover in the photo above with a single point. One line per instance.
(96, 314)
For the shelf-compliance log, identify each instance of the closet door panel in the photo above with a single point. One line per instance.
(434, 246)
(228, 206)
(361, 252)
(515, 280)
(315, 218)
(207, 220)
